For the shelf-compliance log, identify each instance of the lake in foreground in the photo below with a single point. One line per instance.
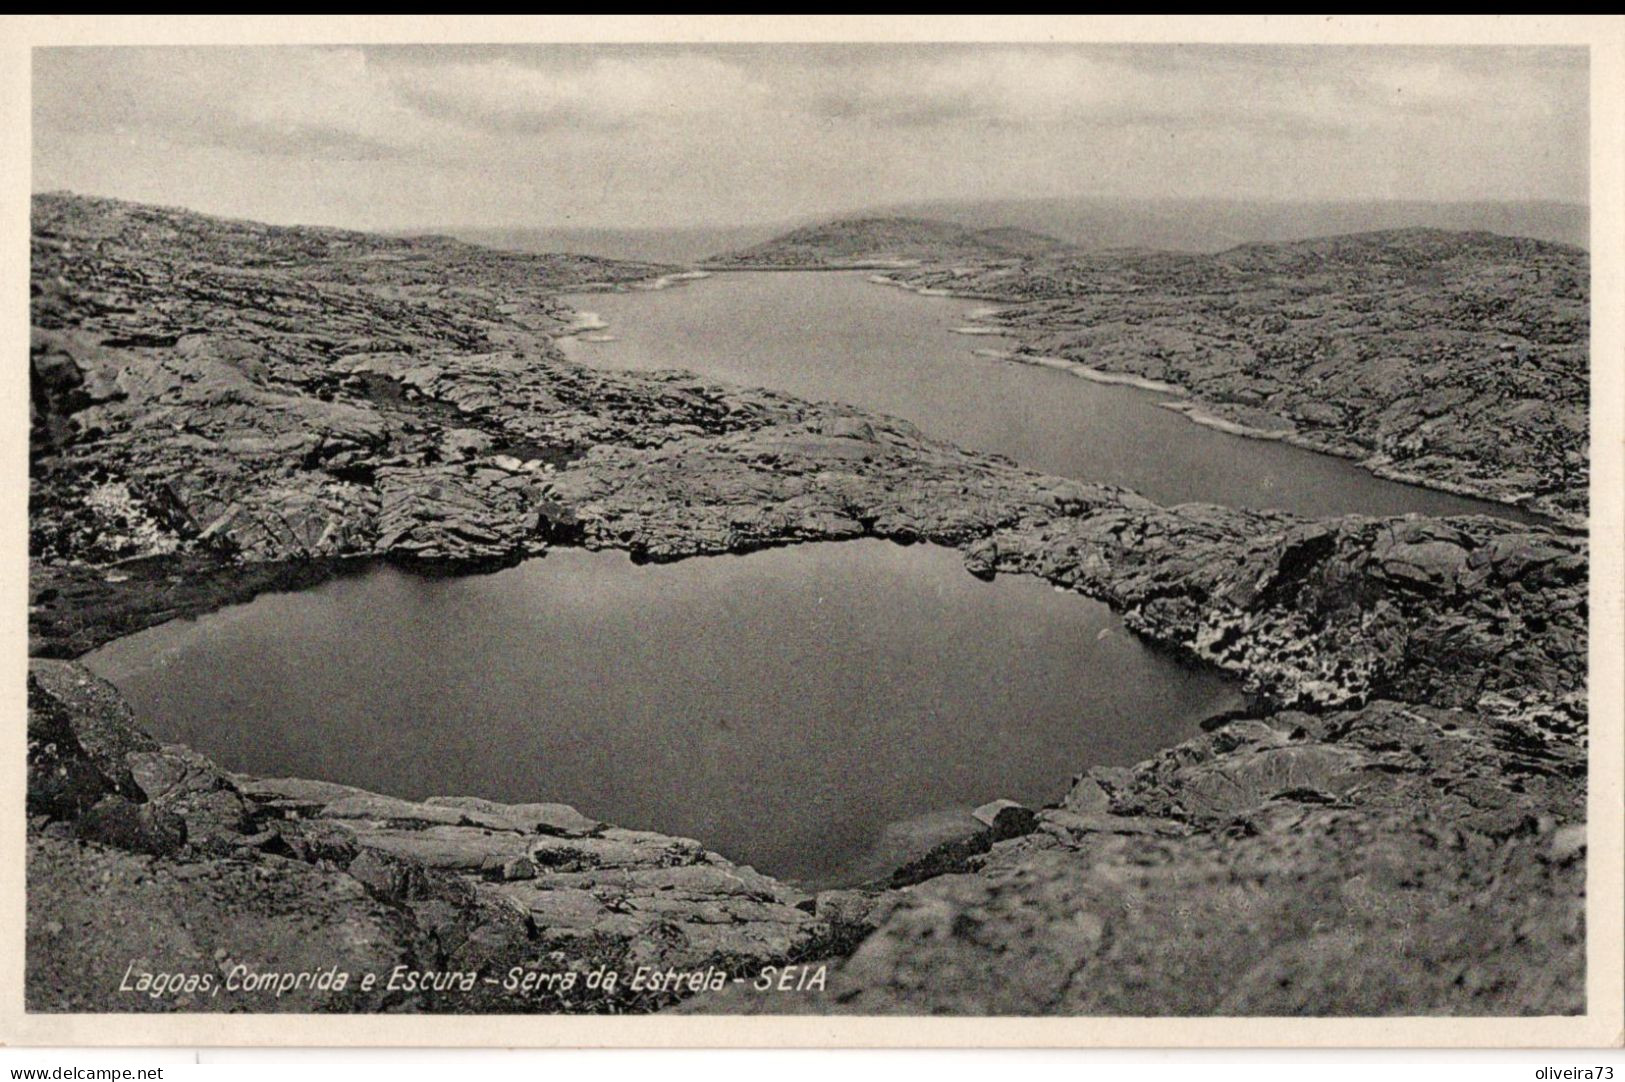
(799, 709)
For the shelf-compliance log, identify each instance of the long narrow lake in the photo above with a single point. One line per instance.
(800, 709)
(836, 336)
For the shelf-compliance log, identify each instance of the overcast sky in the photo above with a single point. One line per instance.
(405, 137)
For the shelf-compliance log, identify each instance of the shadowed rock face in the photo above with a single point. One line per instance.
(1387, 860)
(1453, 359)
(224, 407)
(1125, 924)
(194, 869)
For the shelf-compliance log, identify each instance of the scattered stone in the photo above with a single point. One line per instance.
(1006, 819)
(519, 868)
(138, 828)
(1568, 842)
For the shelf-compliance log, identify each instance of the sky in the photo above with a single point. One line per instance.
(406, 137)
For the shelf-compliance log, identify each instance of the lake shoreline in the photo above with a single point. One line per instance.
(1198, 411)
(1195, 411)
(196, 683)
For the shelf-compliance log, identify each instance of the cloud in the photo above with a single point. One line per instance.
(290, 101)
(1049, 88)
(612, 92)
(381, 99)
(426, 134)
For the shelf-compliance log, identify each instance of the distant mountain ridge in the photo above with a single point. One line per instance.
(880, 240)
(1408, 246)
(324, 252)
(680, 244)
(1187, 226)
(1212, 225)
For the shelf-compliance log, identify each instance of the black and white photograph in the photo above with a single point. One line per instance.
(729, 530)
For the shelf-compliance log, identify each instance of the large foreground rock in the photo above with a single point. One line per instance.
(290, 875)
(1382, 861)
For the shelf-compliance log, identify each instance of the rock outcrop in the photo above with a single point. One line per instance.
(147, 858)
(1390, 859)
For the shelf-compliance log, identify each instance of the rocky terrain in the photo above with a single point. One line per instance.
(1391, 859)
(1452, 359)
(221, 408)
(150, 858)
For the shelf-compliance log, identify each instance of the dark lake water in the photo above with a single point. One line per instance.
(836, 336)
(799, 709)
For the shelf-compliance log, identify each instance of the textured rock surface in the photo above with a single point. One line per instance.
(197, 870)
(1386, 860)
(222, 408)
(1455, 359)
